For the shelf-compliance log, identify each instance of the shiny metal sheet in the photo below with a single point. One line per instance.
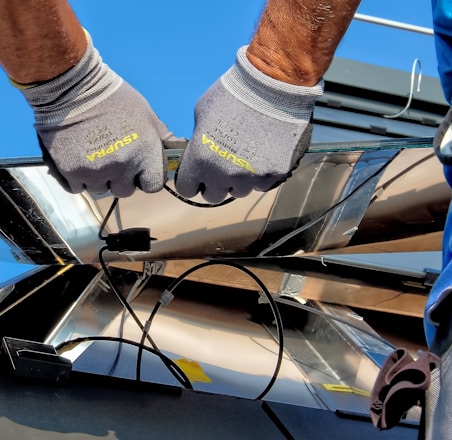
(341, 196)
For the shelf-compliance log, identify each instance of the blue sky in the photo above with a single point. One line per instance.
(172, 51)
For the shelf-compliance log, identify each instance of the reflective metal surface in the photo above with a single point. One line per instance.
(365, 196)
(225, 334)
(223, 339)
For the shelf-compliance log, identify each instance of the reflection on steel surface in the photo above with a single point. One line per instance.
(321, 350)
(370, 197)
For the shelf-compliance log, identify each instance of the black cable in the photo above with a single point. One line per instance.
(143, 337)
(101, 237)
(114, 365)
(121, 329)
(116, 291)
(198, 204)
(145, 331)
(106, 218)
(400, 175)
(278, 321)
(180, 376)
(111, 281)
(173, 367)
(312, 222)
(176, 282)
(165, 359)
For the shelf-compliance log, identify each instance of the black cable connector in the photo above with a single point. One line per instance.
(132, 240)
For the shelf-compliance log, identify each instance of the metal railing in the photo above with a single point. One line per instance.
(394, 24)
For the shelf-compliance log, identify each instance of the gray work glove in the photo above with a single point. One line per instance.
(98, 133)
(250, 133)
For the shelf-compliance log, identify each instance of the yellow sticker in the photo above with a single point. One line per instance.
(172, 164)
(345, 389)
(193, 370)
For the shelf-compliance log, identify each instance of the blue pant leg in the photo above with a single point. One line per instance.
(442, 25)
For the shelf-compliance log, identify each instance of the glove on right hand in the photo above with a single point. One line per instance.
(251, 131)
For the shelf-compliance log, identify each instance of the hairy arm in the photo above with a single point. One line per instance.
(296, 39)
(39, 39)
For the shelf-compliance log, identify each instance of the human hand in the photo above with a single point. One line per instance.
(250, 133)
(98, 133)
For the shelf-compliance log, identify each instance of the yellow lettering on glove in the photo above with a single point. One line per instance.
(225, 154)
(112, 148)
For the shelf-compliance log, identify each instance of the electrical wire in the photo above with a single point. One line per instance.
(144, 334)
(174, 194)
(172, 366)
(106, 218)
(115, 289)
(278, 321)
(197, 204)
(180, 375)
(398, 176)
(312, 222)
(76, 341)
(140, 282)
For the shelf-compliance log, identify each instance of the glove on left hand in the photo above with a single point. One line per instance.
(97, 133)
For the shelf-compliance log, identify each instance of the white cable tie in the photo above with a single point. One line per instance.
(166, 297)
(147, 326)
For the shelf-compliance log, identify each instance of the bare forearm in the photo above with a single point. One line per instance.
(296, 39)
(39, 39)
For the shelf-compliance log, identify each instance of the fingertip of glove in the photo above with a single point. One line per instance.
(185, 188)
(184, 192)
(122, 191)
(240, 193)
(150, 186)
(213, 195)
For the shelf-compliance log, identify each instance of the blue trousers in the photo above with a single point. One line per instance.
(442, 25)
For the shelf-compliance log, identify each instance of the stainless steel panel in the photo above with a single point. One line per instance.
(340, 196)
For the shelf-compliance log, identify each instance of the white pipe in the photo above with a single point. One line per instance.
(394, 24)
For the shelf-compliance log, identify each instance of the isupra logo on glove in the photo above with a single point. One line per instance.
(225, 154)
(112, 148)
